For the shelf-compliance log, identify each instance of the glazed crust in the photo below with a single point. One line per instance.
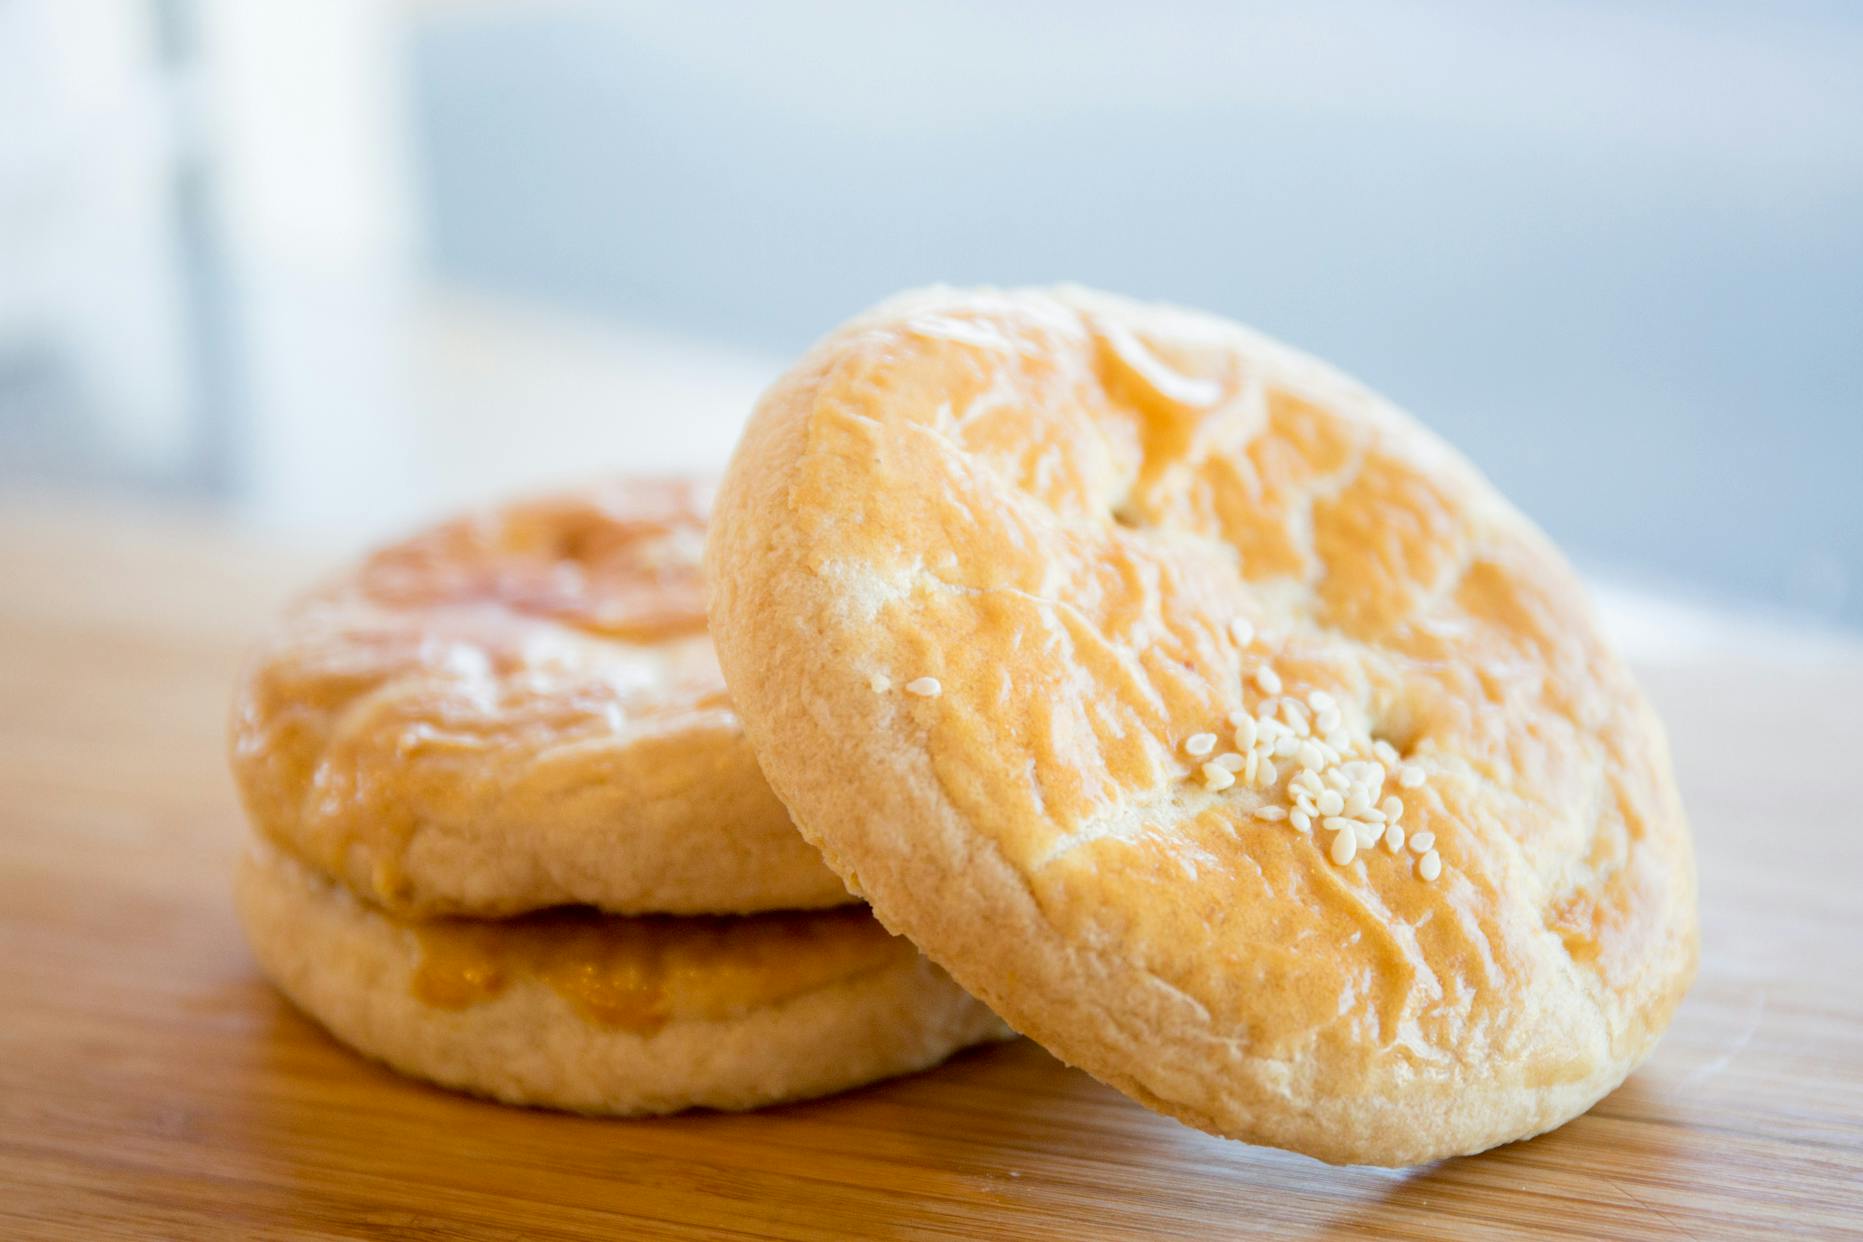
(1058, 505)
(517, 709)
(869, 1011)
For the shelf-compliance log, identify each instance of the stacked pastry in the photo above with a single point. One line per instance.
(1198, 710)
(514, 841)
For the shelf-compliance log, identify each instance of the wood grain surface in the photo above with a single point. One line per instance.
(152, 1085)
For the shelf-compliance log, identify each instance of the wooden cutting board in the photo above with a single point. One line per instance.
(151, 1084)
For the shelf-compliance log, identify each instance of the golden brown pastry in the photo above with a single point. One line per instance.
(518, 709)
(1207, 717)
(609, 1014)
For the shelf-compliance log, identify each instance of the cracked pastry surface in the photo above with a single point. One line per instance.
(516, 709)
(609, 1014)
(1206, 716)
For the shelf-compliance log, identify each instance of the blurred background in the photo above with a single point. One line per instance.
(327, 266)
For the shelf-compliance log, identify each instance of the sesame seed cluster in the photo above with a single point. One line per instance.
(1338, 774)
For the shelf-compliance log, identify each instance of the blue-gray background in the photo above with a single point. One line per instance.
(1615, 252)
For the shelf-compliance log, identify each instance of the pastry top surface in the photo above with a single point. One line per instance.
(520, 708)
(997, 574)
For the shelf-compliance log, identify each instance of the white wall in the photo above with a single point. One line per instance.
(90, 294)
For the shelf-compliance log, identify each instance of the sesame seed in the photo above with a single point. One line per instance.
(925, 687)
(1338, 777)
(879, 683)
(1242, 631)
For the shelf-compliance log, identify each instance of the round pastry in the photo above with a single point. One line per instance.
(520, 709)
(610, 1014)
(1208, 718)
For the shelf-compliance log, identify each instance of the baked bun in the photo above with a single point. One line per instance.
(608, 1014)
(1050, 615)
(520, 709)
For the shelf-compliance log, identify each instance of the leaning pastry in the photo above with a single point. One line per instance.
(1206, 716)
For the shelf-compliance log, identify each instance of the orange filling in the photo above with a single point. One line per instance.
(638, 974)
